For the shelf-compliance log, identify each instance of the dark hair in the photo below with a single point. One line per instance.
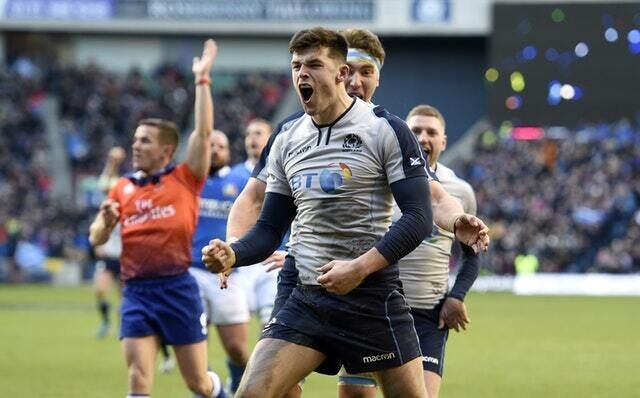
(366, 40)
(320, 37)
(167, 130)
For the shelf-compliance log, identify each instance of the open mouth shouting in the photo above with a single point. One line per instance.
(306, 92)
(356, 93)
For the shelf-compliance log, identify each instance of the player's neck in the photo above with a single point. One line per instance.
(252, 160)
(154, 170)
(335, 110)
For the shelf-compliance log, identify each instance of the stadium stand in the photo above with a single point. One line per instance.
(98, 109)
(571, 199)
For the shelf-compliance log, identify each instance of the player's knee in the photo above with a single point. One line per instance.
(356, 391)
(200, 385)
(140, 378)
(251, 389)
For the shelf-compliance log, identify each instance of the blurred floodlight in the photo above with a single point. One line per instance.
(557, 15)
(514, 102)
(611, 35)
(567, 92)
(582, 50)
(491, 75)
(634, 36)
(517, 81)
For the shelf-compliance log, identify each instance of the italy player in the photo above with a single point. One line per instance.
(157, 207)
(335, 170)
(227, 309)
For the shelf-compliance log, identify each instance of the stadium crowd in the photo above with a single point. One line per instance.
(571, 198)
(98, 109)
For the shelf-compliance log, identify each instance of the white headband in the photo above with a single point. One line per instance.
(356, 54)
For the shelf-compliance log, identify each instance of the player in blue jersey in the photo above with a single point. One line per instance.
(226, 309)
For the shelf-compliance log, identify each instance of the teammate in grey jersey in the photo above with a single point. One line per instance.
(335, 171)
(425, 271)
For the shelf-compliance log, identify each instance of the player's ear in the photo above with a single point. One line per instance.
(343, 73)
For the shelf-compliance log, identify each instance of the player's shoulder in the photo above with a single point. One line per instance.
(389, 120)
(289, 121)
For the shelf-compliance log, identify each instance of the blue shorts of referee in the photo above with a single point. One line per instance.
(169, 307)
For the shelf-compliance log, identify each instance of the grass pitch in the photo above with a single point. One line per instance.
(516, 347)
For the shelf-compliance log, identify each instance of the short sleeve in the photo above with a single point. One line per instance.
(400, 152)
(469, 202)
(184, 174)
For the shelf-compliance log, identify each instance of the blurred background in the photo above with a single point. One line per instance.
(541, 98)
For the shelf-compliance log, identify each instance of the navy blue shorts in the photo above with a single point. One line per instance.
(367, 330)
(169, 307)
(432, 339)
(287, 281)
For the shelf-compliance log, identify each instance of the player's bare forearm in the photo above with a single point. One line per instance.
(341, 277)
(371, 261)
(198, 149)
(446, 209)
(99, 231)
(246, 209)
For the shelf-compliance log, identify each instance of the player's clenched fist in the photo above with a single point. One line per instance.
(218, 256)
(109, 209)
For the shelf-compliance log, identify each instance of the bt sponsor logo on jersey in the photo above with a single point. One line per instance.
(330, 179)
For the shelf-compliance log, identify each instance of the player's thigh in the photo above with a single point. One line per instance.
(405, 381)
(234, 337)
(433, 340)
(192, 360)
(432, 381)
(276, 366)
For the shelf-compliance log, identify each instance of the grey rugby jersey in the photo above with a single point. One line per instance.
(425, 271)
(339, 177)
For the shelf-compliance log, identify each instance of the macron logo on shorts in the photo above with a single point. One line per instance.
(380, 357)
(432, 360)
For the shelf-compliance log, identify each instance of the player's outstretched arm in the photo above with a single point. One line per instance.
(109, 174)
(246, 209)
(446, 209)
(198, 149)
(449, 215)
(104, 223)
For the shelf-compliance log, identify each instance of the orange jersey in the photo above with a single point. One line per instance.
(158, 220)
